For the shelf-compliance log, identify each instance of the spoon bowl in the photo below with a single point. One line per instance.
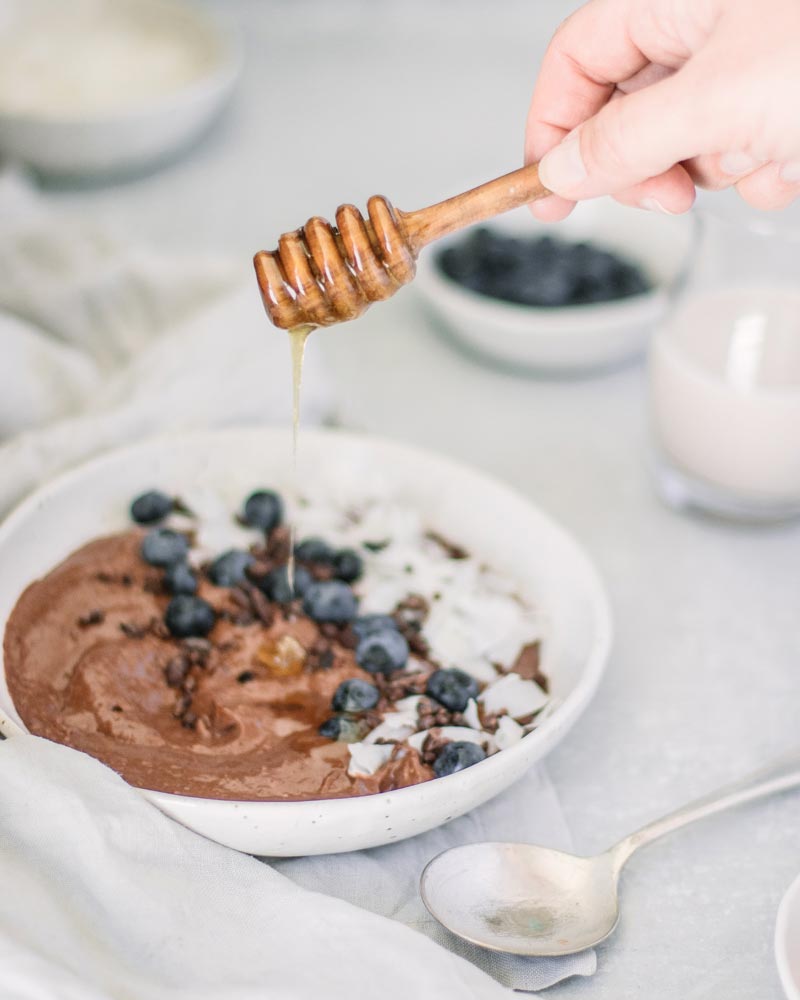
(523, 899)
(529, 900)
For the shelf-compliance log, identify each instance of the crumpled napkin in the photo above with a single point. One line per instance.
(105, 899)
(102, 897)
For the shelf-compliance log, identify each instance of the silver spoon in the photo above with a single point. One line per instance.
(530, 900)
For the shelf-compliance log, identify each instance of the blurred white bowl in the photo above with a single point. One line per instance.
(505, 528)
(83, 130)
(787, 941)
(567, 339)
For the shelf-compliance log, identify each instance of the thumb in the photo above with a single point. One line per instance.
(632, 138)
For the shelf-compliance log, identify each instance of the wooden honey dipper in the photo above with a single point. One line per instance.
(320, 274)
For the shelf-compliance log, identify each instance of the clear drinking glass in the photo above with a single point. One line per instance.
(724, 374)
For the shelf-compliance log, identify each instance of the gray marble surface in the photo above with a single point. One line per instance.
(417, 100)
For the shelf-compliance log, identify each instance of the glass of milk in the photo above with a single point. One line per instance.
(724, 374)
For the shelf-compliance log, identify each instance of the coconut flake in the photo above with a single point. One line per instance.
(479, 668)
(213, 526)
(396, 726)
(453, 734)
(451, 640)
(496, 617)
(517, 696)
(471, 716)
(545, 713)
(415, 666)
(462, 734)
(417, 741)
(183, 523)
(507, 649)
(409, 704)
(508, 732)
(367, 759)
(391, 729)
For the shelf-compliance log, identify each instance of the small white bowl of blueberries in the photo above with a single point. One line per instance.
(564, 298)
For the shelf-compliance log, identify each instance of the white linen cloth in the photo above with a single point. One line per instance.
(102, 896)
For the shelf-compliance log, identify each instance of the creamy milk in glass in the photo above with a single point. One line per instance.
(725, 391)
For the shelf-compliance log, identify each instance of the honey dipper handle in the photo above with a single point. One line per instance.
(493, 198)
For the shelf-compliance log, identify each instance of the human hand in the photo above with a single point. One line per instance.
(657, 96)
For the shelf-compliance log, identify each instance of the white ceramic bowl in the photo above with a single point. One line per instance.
(134, 135)
(787, 941)
(568, 339)
(492, 520)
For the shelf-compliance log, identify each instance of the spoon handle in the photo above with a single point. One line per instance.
(779, 776)
(503, 194)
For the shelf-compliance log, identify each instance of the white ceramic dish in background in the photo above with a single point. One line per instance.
(567, 339)
(504, 527)
(787, 941)
(133, 135)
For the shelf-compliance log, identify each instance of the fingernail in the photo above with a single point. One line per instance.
(737, 163)
(562, 169)
(654, 205)
(790, 172)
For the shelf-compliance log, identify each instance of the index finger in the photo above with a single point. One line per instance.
(588, 56)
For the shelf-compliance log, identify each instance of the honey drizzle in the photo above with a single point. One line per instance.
(298, 336)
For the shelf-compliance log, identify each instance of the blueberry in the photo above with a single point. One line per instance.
(595, 264)
(345, 730)
(162, 547)
(330, 728)
(456, 756)
(452, 688)
(314, 550)
(228, 570)
(542, 272)
(180, 579)
(382, 652)
(263, 509)
(330, 601)
(355, 695)
(276, 584)
(539, 252)
(347, 565)
(629, 280)
(302, 580)
(457, 264)
(151, 507)
(189, 616)
(546, 288)
(370, 624)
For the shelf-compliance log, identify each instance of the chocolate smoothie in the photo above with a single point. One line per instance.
(207, 674)
(234, 716)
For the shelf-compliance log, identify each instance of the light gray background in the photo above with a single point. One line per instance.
(417, 100)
